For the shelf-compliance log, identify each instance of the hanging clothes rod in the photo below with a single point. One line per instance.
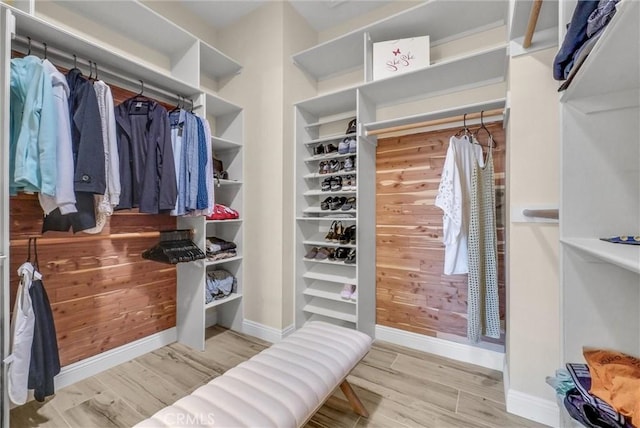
(115, 76)
(86, 238)
(533, 21)
(550, 213)
(434, 122)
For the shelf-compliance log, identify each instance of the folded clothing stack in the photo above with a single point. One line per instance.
(218, 249)
(220, 284)
(223, 212)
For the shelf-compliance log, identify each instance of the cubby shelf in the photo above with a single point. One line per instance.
(318, 291)
(230, 221)
(330, 262)
(208, 262)
(335, 174)
(222, 144)
(337, 137)
(432, 18)
(318, 158)
(329, 193)
(347, 219)
(231, 297)
(338, 279)
(328, 312)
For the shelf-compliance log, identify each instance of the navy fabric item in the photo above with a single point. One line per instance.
(575, 37)
(84, 219)
(202, 196)
(600, 17)
(585, 413)
(45, 361)
(147, 168)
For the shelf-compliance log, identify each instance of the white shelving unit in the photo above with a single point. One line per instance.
(323, 119)
(601, 193)
(172, 61)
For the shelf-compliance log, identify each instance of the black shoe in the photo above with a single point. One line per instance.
(326, 204)
(351, 257)
(318, 150)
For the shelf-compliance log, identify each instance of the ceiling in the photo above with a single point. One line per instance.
(320, 14)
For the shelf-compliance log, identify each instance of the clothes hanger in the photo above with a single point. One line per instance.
(178, 105)
(29, 47)
(45, 50)
(464, 130)
(90, 71)
(490, 142)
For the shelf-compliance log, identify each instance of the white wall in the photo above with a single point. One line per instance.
(533, 337)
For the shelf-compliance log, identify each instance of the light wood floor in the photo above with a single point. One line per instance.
(400, 388)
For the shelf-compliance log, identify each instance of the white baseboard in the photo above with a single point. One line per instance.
(264, 332)
(531, 407)
(93, 365)
(445, 348)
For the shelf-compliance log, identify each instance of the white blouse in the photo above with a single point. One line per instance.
(453, 198)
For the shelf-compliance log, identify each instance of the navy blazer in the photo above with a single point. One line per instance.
(147, 169)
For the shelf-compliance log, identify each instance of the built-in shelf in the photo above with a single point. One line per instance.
(330, 277)
(315, 308)
(129, 68)
(318, 210)
(622, 255)
(489, 66)
(231, 297)
(216, 64)
(331, 107)
(330, 262)
(334, 174)
(433, 18)
(607, 79)
(318, 240)
(336, 137)
(217, 106)
(348, 219)
(222, 182)
(318, 158)
(329, 193)
(208, 262)
(221, 144)
(326, 292)
(230, 221)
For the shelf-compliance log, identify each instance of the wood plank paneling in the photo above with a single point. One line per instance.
(412, 293)
(103, 293)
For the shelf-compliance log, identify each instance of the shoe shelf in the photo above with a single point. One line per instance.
(331, 309)
(334, 218)
(319, 241)
(329, 262)
(317, 210)
(329, 277)
(232, 220)
(336, 137)
(329, 193)
(326, 291)
(334, 174)
(329, 157)
(231, 297)
(219, 183)
(208, 262)
(333, 119)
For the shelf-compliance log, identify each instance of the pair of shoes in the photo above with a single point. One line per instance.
(335, 231)
(348, 236)
(325, 186)
(349, 204)
(323, 167)
(349, 182)
(318, 150)
(351, 127)
(348, 145)
(348, 291)
(336, 184)
(222, 212)
(335, 165)
(349, 163)
(333, 204)
(342, 253)
(351, 257)
(320, 253)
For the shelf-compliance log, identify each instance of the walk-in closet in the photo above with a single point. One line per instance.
(319, 213)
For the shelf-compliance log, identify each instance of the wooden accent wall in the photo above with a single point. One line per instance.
(412, 293)
(103, 293)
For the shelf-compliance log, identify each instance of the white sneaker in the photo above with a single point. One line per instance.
(347, 291)
(354, 295)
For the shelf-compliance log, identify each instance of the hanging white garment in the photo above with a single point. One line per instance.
(65, 197)
(22, 327)
(483, 314)
(453, 198)
(104, 204)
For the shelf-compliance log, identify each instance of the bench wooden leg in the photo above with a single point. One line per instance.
(355, 402)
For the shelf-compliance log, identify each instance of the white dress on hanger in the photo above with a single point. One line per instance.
(453, 198)
(22, 326)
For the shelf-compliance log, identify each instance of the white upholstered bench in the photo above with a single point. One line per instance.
(282, 386)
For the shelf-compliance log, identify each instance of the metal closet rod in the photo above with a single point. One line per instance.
(112, 74)
(460, 118)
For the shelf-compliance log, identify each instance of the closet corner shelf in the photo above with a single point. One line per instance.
(208, 262)
(332, 107)
(624, 256)
(333, 119)
(331, 313)
(222, 144)
(217, 106)
(608, 79)
(325, 294)
(335, 137)
(231, 297)
(426, 18)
